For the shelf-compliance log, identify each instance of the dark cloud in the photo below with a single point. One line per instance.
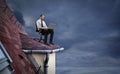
(114, 47)
(19, 17)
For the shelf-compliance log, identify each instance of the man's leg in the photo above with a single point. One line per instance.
(45, 33)
(45, 38)
(51, 31)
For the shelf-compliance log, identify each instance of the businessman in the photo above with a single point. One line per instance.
(44, 30)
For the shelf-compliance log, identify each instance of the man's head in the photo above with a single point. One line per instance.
(42, 16)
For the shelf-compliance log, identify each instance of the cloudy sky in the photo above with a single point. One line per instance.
(89, 30)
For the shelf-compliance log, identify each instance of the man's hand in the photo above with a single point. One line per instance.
(44, 28)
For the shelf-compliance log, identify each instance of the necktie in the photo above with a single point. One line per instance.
(42, 23)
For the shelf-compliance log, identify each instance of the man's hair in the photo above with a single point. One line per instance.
(41, 15)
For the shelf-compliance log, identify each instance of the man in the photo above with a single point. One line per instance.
(44, 30)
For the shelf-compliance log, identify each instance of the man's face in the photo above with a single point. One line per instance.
(42, 17)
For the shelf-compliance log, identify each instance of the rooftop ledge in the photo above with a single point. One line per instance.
(43, 51)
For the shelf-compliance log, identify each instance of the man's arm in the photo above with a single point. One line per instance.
(38, 24)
